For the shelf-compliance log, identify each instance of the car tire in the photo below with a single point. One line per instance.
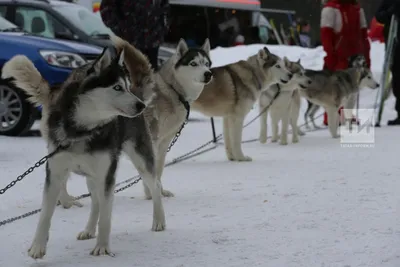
(17, 115)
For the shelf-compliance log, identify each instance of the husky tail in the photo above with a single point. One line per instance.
(26, 77)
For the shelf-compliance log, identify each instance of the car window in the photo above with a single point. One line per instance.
(37, 21)
(3, 11)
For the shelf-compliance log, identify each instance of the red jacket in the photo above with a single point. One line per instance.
(376, 31)
(344, 33)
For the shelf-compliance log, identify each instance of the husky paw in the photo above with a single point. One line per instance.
(37, 251)
(167, 193)
(295, 140)
(244, 158)
(301, 133)
(336, 136)
(68, 202)
(101, 250)
(158, 225)
(283, 142)
(84, 235)
(263, 139)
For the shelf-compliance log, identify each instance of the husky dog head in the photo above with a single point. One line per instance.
(273, 67)
(367, 79)
(299, 78)
(192, 68)
(357, 61)
(106, 93)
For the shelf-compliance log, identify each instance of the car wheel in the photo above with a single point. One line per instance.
(17, 115)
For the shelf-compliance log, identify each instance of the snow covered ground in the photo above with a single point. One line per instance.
(303, 205)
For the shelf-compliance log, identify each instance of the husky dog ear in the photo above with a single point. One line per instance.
(182, 48)
(286, 61)
(298, 62)
(121, 58)
(264, 54)
(206, 46)
(103, 60)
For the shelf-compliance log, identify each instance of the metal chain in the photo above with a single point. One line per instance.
(137, 178)
(30, 170)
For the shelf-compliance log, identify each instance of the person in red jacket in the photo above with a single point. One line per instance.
(344, 33)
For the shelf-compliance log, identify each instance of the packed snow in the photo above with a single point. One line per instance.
(308, 204)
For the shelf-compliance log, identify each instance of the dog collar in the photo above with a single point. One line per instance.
(184, 102)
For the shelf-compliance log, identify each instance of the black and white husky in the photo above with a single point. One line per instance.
(178, 83)
(85, 117)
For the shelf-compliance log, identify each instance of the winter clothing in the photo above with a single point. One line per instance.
(376, 31)
(239, 40)
(143, 23)
(385, 12)
(344, 33)
(384, 15)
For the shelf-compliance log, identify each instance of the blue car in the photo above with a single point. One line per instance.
(54, 58)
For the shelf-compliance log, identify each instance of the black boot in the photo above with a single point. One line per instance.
(394, 122)
(397, 120)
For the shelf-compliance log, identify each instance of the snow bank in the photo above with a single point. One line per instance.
(310, 58)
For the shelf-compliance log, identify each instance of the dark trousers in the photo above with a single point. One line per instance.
(396, 77)
(152, 55)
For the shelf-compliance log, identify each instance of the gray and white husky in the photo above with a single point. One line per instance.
(283, 103)
(233, 92)
(356, 61)
(332, 90)
(86, 118)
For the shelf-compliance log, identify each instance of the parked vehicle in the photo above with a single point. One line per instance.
(53, 58)
(56, 19)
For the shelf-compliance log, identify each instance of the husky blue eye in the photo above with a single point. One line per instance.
(207, 64)
(193, 64)
(117, 87)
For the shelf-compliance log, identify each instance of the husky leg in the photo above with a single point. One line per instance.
(333, 121)
(294, 116)
(56, 173)
(349, 105)
(66, 200)
(263, 123)
(293, 123)
(90, 229)
(306, 114)
(161, 155)
(105, 194)
(227, 137)
(236, 134)
(275, 128)
(285, 125)
(145, 164)
(314, 110)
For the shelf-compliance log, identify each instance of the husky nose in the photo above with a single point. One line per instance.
(378, 85)
(309, 82)
(140, 106)
(290, 75)
(207, 76)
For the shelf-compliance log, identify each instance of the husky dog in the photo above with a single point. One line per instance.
(178, 83)
(84, 120)
(356, 61)
(332, 90)
(233, 92)
(283, 101)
